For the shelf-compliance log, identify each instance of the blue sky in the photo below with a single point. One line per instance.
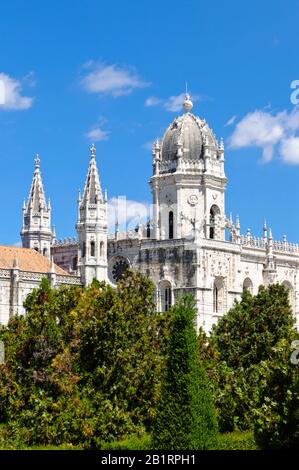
(111, 72)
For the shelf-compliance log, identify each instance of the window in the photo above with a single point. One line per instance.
(212, 224)
(75, 263)
(102, 249)
(45, 251)
(218, 296)
(247, 285)
(83, 250)
(214, 214)
(148, 230)
(92, 248)
(166, 296)
(170, 224)
(215, 299)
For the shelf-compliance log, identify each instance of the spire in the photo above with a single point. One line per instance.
(92, 190)
(36, 230)
(265, 232)
(92, 226)
(36, 199)
(270, 244)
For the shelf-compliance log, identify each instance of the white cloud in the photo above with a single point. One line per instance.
(269, 132)
(111, 79)
(127, 212)
(11, 94)
(96, 134)
(289, 150)
(230, 121)
(152, 101)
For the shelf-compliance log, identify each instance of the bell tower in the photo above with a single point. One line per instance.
(36, 231)
(92, 226)
(188, 182)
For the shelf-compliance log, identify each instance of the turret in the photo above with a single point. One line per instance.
(36, 231)
(92, 227)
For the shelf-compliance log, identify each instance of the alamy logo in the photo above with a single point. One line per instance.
(2, 92)
(295, 93)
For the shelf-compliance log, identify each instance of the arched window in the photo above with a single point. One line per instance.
(214, 214)
(92, 248)
(212, 224)
(75, 263)
(218, 296)
(247, 285)
(102, 249)
(166, 296)
(170, 224)
(215, 299)
(148, 230)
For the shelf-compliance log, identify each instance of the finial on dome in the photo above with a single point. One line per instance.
(188, 105)
(92, 150)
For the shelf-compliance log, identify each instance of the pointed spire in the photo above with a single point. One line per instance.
(270, 243)
(248, 236)
(36, 199)
(265, 230)
(92, 190)
(92, 151)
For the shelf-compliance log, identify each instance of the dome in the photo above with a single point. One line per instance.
(186, 137)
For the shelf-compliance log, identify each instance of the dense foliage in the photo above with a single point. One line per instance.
(248, 358)
(186, 417)
(276, 422)
(84, 365)
(98, 367)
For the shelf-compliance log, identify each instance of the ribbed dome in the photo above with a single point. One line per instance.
(187, 134)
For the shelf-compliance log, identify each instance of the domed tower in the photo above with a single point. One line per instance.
(188, 182)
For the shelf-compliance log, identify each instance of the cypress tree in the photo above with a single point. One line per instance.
(185, 414)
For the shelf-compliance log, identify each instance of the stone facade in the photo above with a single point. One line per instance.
(188, 244)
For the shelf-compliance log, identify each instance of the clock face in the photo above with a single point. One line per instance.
(117, 267)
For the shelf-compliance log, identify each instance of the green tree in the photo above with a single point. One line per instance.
(84, 365)
(247, 333)
(245, 337)
(276, 423)
(185, 416)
